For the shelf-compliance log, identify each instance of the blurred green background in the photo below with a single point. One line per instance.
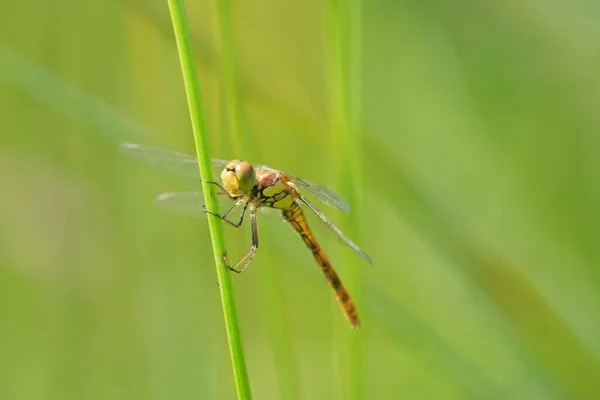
(480, 204)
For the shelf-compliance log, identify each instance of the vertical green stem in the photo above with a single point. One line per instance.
(344, 54)
(230, 79)
(243, 146)
(192, 89)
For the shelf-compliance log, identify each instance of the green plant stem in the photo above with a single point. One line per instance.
(242, 145)
(343, 50)
(192, 89)
(240, 139)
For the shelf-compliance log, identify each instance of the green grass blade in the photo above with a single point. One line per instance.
(192, 88)
(343, 57)
(229, 76)
(243, 145)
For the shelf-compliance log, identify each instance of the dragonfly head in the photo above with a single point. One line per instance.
(238, 177)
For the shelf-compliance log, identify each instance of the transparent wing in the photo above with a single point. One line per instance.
(332, 231)
(189, 203)
(192, 203)
(173, 161)
(323, 193)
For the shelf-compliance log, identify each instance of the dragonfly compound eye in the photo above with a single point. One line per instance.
(246, 175)
(238, 177)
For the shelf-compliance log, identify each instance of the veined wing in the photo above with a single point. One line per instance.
(335, 234)
(188, 203)
(170, 160)
(323, 193)
(192, 203)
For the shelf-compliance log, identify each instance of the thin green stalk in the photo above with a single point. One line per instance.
(230, 80)
(192, 89)
(343, 50)
(243, 146)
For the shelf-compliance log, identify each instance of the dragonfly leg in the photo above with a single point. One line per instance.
(233, 208)
(217, 184)
(241, 265)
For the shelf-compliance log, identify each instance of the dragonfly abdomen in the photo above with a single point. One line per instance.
(297, 220)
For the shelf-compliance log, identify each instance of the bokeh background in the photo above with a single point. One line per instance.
(480, 203)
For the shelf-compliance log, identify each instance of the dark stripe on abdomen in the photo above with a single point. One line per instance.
(296, 218)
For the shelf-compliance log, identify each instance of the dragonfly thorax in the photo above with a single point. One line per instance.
(273, 191)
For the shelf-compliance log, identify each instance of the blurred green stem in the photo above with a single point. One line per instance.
(343, 24)
(230, 80)
(242, 145)
(192, 89)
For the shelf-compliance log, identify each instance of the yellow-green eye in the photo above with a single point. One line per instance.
(238, 177)
(246, 176)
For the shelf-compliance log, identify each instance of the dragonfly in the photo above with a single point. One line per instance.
(252, 188)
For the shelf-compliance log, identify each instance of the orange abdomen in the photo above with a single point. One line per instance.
(296, 218)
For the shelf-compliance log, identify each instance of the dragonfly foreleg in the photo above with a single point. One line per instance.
(241, 265)
(224, 192)
(232, 209)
